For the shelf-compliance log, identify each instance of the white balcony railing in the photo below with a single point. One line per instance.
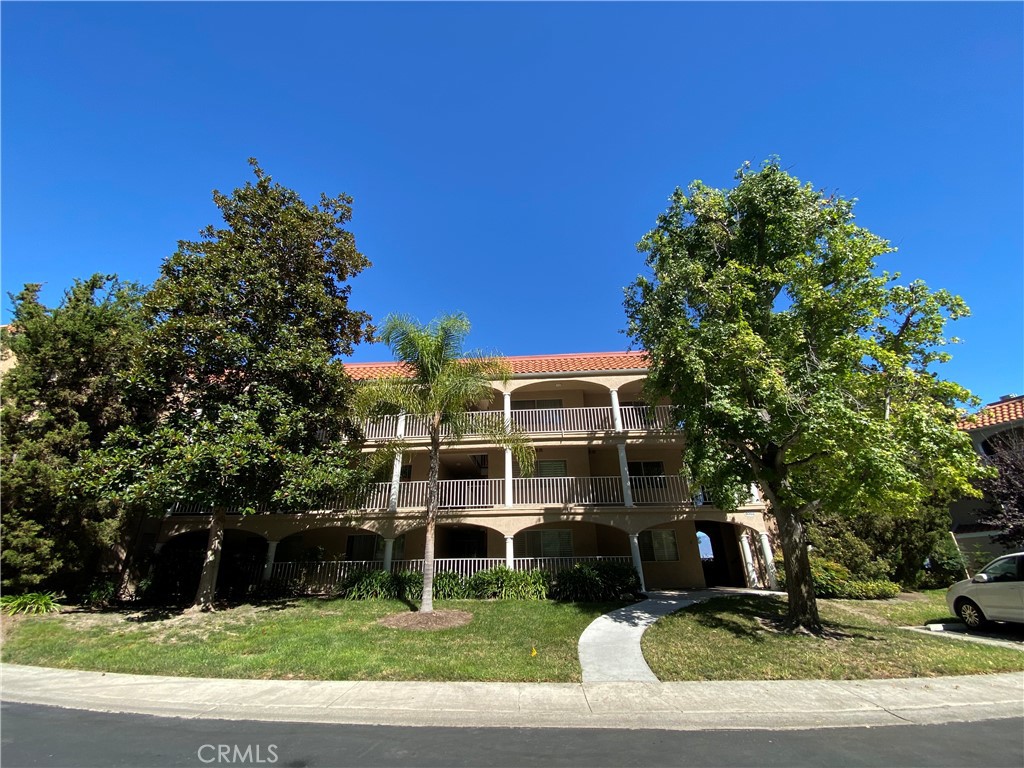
(326, 576)
(490, 493)
(536, 421)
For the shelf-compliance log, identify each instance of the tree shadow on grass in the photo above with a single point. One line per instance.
(757, 618)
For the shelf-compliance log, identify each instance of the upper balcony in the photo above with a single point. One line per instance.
(539, 422)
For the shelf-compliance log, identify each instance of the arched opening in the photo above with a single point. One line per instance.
(720, 556)
(178, 565)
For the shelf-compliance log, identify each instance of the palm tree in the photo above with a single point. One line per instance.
(442, 382)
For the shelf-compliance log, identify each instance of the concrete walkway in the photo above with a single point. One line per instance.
(609, 648)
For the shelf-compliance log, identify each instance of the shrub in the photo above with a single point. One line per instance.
(30, 602)
(945, 566)
(502, 583)
(833, 580)
(598, 581)
(101, 593)
(381, 585)
(450, 586)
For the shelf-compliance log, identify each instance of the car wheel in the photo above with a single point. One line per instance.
(970, 614)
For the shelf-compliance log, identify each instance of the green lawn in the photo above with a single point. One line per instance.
(739, 638)
(314, 639)
(734, 638)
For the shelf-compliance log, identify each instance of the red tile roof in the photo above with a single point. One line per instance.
(993, 414)
(579, 363)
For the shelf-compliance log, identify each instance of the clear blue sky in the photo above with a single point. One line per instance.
(505, 158)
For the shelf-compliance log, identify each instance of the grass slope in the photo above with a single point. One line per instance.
(314, 639)
(742, 638)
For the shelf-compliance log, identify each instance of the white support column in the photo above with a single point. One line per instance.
(510, 554)
(769, 561)
(268, 564)
(396, 468)
(389, 549)
(627, 492)
(634, 548)
(748, 560)
(616, 411)
(507, 407)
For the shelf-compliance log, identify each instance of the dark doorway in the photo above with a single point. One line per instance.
(724, 568)
(466, 542)
(177, 567)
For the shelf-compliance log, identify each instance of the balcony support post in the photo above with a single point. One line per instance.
(748, 560)
(769, 562)
(389, 550)
(616, 410)
(507, 408)
(627, 492)
(396, 468)
(634, 548)
(509, 552)
(268, 563)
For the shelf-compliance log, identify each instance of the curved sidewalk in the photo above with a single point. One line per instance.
(609, 647)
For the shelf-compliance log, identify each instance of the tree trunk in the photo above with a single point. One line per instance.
(803, 606)
(211, 565)
(427, 598)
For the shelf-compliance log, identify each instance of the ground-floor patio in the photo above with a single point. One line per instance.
(314, 552)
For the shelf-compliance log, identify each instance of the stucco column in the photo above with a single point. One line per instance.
(507, 407)
(389, 548)
(748, 560)
(634, 548)
(616, 410)
(268, 564)
(627, 492)
(510, 554)
(769, 561)
(396, 467)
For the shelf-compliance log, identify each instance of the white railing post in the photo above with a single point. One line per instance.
(507, 408)
(396, 468)
(509, 552)
(627, 493)
(268, 564)
(748, 560)
(769, 562)
(634, 548)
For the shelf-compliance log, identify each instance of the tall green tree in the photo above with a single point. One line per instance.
(249, 398)
(793, 363)
(443, 383)
(63, 396)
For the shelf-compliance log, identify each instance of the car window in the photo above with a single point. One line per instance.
(1002, 570)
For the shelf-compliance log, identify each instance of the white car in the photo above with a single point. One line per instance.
(996, 593)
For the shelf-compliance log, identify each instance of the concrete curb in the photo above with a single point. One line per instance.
(669, 706)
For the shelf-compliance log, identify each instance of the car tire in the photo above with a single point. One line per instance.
(970, 614)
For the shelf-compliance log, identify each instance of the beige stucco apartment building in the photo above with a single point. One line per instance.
(607, 485)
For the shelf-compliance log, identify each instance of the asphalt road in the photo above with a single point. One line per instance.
(47, 736)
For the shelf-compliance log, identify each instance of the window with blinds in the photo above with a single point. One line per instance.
(658, 545)
(544, 543)
(552, 468)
